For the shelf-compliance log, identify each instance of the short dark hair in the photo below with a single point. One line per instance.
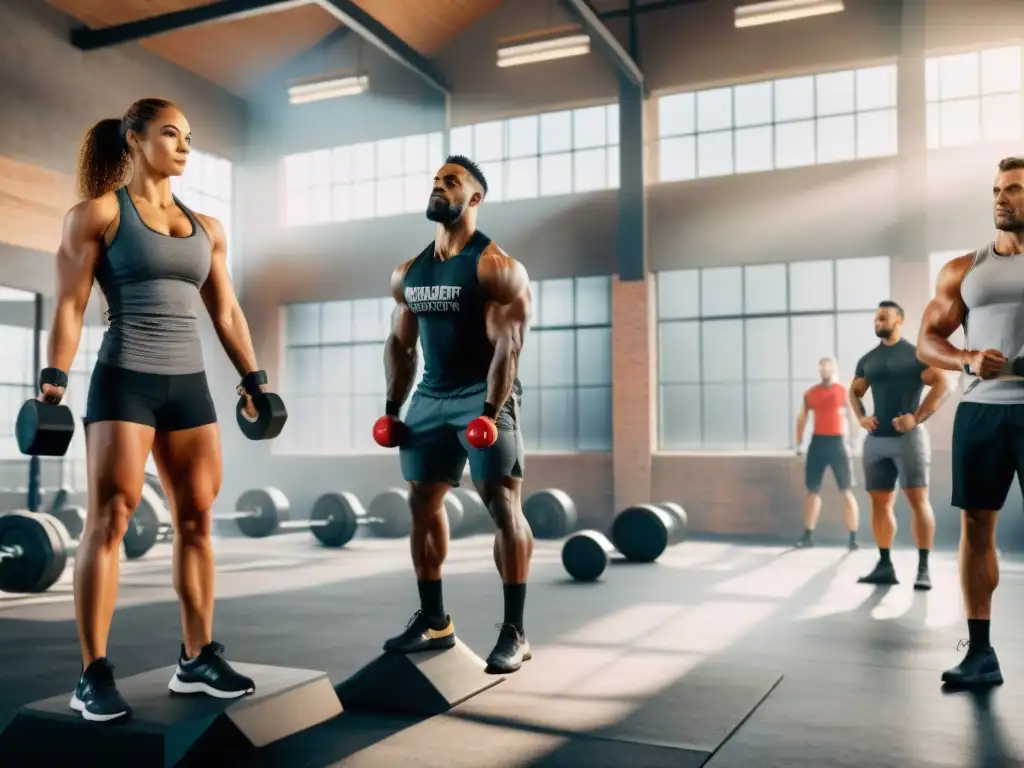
(1011, 164)
(471, 167)
(888, 304)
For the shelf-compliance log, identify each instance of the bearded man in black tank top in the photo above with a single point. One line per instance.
(467, 303)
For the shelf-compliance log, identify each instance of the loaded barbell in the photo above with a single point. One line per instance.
(640, 534)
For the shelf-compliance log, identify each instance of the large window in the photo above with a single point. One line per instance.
(566, 366)
(361, 181)
(974, 97)
(206, 187)
(556, 153)
(739, 346)
(775, 124)
(17, 382)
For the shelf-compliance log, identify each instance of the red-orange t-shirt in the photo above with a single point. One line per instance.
(826, 401)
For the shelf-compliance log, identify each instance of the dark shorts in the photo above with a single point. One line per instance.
(164, 402)
(828, 451)
(988, 450)
(906, 457)
(435, 449)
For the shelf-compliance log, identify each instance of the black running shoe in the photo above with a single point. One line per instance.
(923, 581)
(211, 674)
(884, 573)
(423, 634)
(804, 542)
(979, 669)
(509, 653)
(96, 697)
(854, 546)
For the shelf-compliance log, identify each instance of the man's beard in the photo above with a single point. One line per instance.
(884, 333)
(443, 212)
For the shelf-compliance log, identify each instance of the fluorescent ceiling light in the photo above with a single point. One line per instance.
(774, 11)
(303, 93)
(544, 50)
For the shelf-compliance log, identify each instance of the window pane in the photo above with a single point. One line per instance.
(678, 352)
(319, 205)
(555, 174)
(530, 419)
(810, 286)
(753, 104)
(336, 370)
(417, 191)
(461, 140)
(336, 322)
(931, 79)
(341, 202)
(714, 109)
(721, 291)
(959, 76)
(1000, 117)
(589, 170)
(589, 127)
(855, 337)
(390, 196)
(555, 132)
(341, 165)
(677, 114)
(495, 175)
(416, 155)
(522, 179)
(723, 416)
(302, 435)
(959, 122)
(876, 87)
(364, 200)
(436, 156)
(613, 168)
(612, 118)
(593, 357)
(367, 369)
(811, 337)
(794, 144)
(302, 324)
(754, 149)
(297, 207)
(1000, 70)
(364, 161)
(680, 409)
(365, 411)
(557, 358)
(529, 360)
(557, 302)
(932, 125)
(769, 420)
(302, 370)
(722, 350)
(557, 419)
(834, 93)
(593, 300)
(764, 289)
(337, 418)
(836, 140)
(862, 283)
(523, 136)
(594, 419)
(794, 98)
(767, 354)
(714, 154)
(677, 159)
(489, 141)
(366, 320)
(678, 294)
(296, 171)
(389, 158)
(876, 134)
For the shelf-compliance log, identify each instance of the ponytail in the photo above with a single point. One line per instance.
(103, 161)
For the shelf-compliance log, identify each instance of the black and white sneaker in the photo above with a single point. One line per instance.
(211, 674)
(96, 696)
(509, 653)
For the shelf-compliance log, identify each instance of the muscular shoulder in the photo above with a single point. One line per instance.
(214, 229)
(92, 217)
(501, 276)
(954, 270)
(398, 278)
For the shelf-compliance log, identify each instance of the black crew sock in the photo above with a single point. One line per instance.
(883, 555)
(922, 559)
(431, 603)
(977, 631)
(515, 602)
(853, 537)
(808, 534)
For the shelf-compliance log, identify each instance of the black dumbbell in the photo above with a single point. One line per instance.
(44, 429)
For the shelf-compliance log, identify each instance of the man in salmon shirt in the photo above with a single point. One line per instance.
(828, 448)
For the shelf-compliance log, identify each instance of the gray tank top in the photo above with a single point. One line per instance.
(151, 283)
(993, 291)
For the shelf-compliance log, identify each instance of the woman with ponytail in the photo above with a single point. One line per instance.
(152, 258)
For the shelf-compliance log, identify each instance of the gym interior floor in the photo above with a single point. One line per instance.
(718, 655)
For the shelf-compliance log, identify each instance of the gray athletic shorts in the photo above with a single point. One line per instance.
(436, 449)
(904, 456)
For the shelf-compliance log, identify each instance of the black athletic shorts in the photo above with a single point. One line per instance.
(828, 451)
(988, 450)
(164, 402)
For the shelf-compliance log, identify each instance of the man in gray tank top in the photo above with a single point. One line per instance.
(984, 292)
(897, 444)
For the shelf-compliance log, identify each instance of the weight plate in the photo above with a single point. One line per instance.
(586, 554)
(271, 416)
(73, 519)
(681, 522)
(475, 518)
(456, 515)
(641, 533)
(334, 518)
(389, 514)
(41, 553)
(268, 506)
(143, 529)
(551, 513)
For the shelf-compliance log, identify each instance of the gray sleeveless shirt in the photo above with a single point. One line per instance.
(151, 283)
(993, 291)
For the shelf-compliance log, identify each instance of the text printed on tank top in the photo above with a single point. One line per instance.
(433, 298)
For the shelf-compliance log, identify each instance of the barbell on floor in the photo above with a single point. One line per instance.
(640, 534)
